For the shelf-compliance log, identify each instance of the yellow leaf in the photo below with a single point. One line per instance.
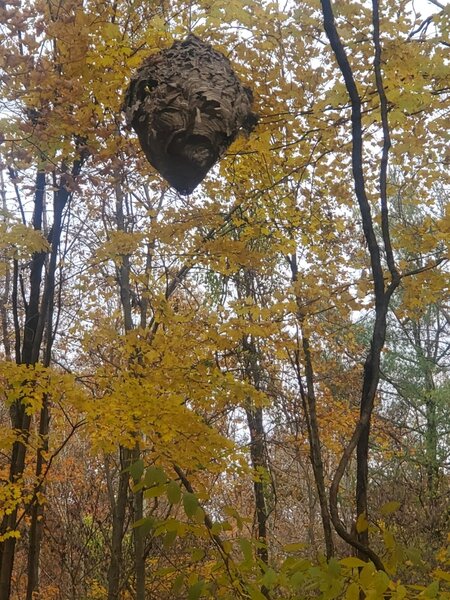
(352, 562)
(362, 524)
(390, 507)
(352, 592)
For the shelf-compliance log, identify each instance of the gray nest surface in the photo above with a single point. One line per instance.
(187, 106)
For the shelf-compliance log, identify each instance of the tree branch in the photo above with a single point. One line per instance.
(386, 144)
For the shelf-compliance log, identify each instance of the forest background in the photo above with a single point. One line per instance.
(242, 393)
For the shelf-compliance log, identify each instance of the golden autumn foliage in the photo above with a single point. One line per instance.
(243, 392)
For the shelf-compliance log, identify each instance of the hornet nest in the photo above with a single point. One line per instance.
(187, 106)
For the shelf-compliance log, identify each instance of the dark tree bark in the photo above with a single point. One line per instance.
(37, 511)
(382, 295)
(120, 501)
(28, 344)
(7, 288)
(45, 322)
(139, 544)
(258, 451)
(118, 506)
(128, 456)
(19, 419)
(310, 409)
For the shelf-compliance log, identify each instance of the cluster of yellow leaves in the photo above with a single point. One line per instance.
(164, 391)
(19, 241)
(120, 243)
(29, 384)
(11, 496)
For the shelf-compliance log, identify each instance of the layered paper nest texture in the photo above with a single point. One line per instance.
(187, 106)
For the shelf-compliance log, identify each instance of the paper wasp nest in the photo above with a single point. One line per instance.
(187, 105)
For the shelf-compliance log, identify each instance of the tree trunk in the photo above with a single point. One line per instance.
(127, 456)
(382, 294)
(258, 452)
(45, 322)
(425, 358)
(4, 300)
(259, 465)
(119, 505)
(37, 514)
(139, 546)
(38, 316)
(19, 419)
(310, 410)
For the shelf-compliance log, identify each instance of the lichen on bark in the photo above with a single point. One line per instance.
(187, 106)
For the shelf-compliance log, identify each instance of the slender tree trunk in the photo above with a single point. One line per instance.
(424, 356)
(7, 288)
(127, 456)
(119, 505)
(382, 294)
(431, 436)
(4, 315)
(20, 420)
(431, 441)
(259, 465)
(258, 453)
(139, 547)
(38, 315)
(310, 409)
(45, 323)
(37, 513)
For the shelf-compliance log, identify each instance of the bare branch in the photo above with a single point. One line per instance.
(386, 144)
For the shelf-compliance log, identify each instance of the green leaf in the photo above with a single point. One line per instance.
(178, 584)
(138, 486)
(389, 540)
(199, 515)
(255, 594)
(362, 524)
(169, 539)
(298, 579)
(136, 470)
(269, 579)
(334, 568)
(432, 590)
(216, 528)
(197, 554)
(146, 524)
(195, 591)
(381, 582)
(366, 575)
(246, 549)
(190, 503)
(440, 574)
(173, 492)
(154, 475)
(232, 512)
(173, 525)
(155, 491)
(401, 592)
